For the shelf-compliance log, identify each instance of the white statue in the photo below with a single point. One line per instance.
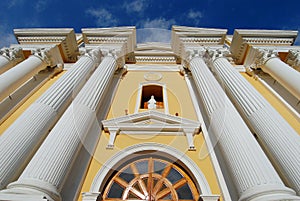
(152, 103)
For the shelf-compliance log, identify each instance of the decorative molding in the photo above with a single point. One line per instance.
(258, 57)
(156, 59)
(14, 54)
(65, 38)
(49, 55)
(152, 122)
(293, 59)
(243, 38)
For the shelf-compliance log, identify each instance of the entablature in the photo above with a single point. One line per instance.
(64, 38)
(244, 38)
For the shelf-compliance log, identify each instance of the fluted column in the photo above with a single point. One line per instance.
(20, 141)
(16, 76)
(10, 57)
(252, 174)
(50, 166)
(279, 139)
(280, 71)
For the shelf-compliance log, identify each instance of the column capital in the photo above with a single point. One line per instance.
(13, 54)
(51, 55)
(293, 59)
(117, 54)
(192, 53)
(262, 56)
(217, 53)
(95, 54)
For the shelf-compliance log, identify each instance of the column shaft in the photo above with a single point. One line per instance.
(16, 76)
(284, 74)
(251, 172)
(277, 137)
(20, 141)
(51, 164)
(10, 57)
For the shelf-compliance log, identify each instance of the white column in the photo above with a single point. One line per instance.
(280, 71)
(278, 138)
(252, 174)
(47, 171)
(10, 57)
(20, 141)
(16, 76)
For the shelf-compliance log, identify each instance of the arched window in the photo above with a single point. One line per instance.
(150, 179)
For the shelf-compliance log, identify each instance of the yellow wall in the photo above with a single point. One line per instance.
(27, 103)
(179, 101)
(277, 104)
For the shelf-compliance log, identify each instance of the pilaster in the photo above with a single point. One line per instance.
(10, 57)
(251, 172)
(39, 60)
(20, 141)
(65, 140)
(278, 138)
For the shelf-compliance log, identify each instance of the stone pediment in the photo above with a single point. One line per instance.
(151, 122)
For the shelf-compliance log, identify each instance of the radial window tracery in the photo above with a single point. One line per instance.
(151, 179)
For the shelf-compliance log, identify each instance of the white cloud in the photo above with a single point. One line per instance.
(6, 36)
(13, 3)
(103, 17)
(156, 30)
(158, 23)
(136, 6)
(195, 16)
(41, 5)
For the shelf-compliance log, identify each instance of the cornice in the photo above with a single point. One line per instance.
(65, 38)
(124, 36)
(190, 39)
(243, 38)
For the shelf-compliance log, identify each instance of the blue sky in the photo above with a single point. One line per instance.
(228, 14)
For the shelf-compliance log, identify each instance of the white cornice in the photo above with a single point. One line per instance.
(242, 38)
(124, 36)
(184, 38)
(64, 37)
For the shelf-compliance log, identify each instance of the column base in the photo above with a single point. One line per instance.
(32, 188)
(90, 196)
(268, 193)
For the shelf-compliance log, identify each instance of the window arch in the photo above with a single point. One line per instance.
(150, 179)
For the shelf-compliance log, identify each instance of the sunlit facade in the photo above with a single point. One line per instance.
(103, 115)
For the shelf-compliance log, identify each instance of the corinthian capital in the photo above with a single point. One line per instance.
(213, 54)
(262, 56)
(51, 55)
(13, 54)
(293, 59)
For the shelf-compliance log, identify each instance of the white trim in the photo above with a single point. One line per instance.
(139, 95)
(170, 151)
(153, 67)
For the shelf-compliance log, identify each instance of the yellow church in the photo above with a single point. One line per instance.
(100, 116)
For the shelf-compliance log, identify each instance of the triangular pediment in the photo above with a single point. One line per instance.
(150, 117)
(151, 122)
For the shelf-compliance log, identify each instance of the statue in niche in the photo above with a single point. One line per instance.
(152, 103)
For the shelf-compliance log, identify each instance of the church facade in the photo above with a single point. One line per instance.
(97, 115)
